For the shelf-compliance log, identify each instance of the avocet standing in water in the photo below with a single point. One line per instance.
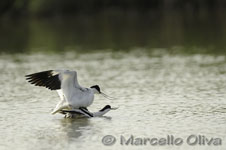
(72, 95)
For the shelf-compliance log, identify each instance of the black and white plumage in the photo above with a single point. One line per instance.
(46, 79)
(83, 112)
(72, 95)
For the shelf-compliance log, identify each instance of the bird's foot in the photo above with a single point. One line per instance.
(68, 115)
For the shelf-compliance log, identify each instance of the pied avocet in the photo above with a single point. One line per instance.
(72, 95)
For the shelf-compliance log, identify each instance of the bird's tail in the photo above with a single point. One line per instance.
(58, 109)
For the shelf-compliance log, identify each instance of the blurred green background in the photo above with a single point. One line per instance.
(187, 26)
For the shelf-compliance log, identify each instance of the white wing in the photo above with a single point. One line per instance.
(69, 84)
(64, 81)
(61, 95)
(54, 79)
(61, 103)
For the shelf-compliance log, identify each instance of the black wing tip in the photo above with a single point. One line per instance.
(33, 74)
(37, 74)
(45, 79)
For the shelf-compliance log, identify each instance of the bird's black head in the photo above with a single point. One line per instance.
(106, 107)
(96, 87)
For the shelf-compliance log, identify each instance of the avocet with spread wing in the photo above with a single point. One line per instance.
(72, 95)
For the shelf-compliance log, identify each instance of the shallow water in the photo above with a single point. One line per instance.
(158, 94)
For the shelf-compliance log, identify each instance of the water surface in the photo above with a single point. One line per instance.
(158, 94)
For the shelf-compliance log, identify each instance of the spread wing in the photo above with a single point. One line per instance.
(46, 79)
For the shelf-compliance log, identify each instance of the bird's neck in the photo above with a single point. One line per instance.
(100, 113)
